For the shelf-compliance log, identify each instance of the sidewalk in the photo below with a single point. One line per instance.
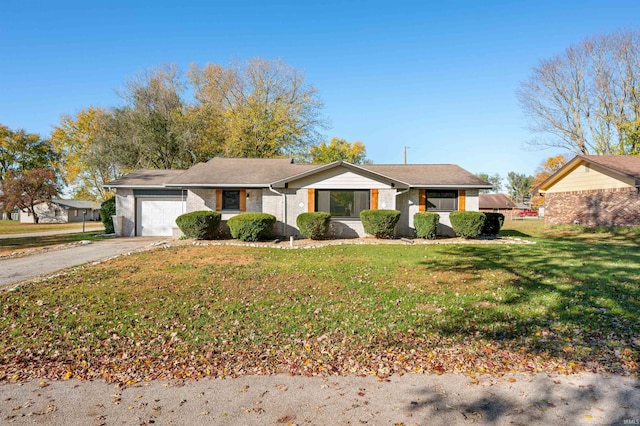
(411, 399)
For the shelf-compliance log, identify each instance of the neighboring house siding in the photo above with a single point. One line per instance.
(584, 178)
(47, 213)
(606, 207)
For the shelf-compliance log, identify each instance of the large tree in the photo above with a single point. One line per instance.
(20, 151)
(519, 186)
(260, 108)
(149, 130)
(339, 149)
(587, 99)
(495, 180)
(25, 189)
(87, 162)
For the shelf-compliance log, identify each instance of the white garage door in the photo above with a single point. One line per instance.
(157, 216)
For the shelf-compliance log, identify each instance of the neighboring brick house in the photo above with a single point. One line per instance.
(148, 201)
(594, 190)
(497, 203)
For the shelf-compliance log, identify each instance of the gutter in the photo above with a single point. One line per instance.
(284, 209)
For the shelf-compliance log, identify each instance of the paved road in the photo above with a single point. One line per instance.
(15, 270)
(89, 226)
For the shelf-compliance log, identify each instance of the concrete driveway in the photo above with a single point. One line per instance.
(15, 270)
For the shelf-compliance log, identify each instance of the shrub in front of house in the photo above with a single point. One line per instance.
(379, 223)
(493, 223)
(201, 225)
(108, 209)
(252, 226)
(426, 224)
(467, 224)
(314, 225)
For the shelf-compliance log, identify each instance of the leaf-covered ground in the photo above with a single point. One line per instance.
(569, 303)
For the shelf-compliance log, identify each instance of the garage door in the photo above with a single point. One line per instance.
(157, 216)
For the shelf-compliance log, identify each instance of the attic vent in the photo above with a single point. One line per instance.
(587, 168)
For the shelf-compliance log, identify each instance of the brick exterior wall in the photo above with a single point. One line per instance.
(609, 207)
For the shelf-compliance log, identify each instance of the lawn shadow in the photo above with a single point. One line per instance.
(589, 296)
(513, 233)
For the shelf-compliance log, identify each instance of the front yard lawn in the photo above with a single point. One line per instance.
(12, 245)
(15, 227)
(569, 303)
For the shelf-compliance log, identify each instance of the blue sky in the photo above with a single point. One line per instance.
(438, 77)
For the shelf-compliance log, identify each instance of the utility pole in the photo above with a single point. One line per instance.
(405, 154)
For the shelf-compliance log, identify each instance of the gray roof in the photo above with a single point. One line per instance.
(430, 175)
(76, 204)
(495, 201)
(144, 178)
(263, 172)
(248, 172)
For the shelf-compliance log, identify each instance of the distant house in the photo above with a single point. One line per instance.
(63, 211)
(497, 203)
(594, 190)
(148, 201)
(13, 215)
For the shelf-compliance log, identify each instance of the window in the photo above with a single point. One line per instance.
(230, 200)
(341, 203)
(442, 201)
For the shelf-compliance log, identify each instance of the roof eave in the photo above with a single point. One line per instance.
(133, 186)
(216, 185)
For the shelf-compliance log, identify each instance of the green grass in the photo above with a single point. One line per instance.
(9, 245)
(570, 302)
(15, 227)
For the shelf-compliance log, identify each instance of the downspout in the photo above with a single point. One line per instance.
(284, 209)
(401, 193)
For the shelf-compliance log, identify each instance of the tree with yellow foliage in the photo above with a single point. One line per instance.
(82, 144)
(339, 149)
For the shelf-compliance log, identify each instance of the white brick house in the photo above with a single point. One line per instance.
(148, 201)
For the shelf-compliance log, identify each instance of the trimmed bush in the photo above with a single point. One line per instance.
(493, 223)
(467, 224)
(313, 225)
(379, 223)
(426, 224)
(108, 209)
(251, 226)
(201, 225)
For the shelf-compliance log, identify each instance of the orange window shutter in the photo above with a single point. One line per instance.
(243, 200)
(311, 200)
(422, 200)
(374, 199)
(462, 200)
(218, 200)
